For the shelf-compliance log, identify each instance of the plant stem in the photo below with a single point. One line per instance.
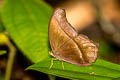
(10, 60)
(52, 77)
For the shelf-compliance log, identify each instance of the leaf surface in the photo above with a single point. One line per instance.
(27, 24)
(101, 70)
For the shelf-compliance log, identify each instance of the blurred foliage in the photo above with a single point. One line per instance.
(1, 78)
(3, 39)
(51, 77)
(2, 52)
(1, 25)
(105, 49)
(27, 24)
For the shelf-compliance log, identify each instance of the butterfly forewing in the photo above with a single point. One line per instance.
(57, 36)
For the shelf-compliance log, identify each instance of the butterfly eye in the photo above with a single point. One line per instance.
(67, 45)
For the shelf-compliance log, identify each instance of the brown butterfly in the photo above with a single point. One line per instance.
(67, 45)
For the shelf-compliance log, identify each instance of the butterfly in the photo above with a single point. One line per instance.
(67, 45)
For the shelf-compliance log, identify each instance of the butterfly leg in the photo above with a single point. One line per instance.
(51, 63)
(63, 65)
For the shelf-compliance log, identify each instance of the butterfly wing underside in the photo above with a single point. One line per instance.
(67, 45)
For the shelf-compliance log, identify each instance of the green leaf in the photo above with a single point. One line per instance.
(27, 24)
(101, 70)
(2, 52)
